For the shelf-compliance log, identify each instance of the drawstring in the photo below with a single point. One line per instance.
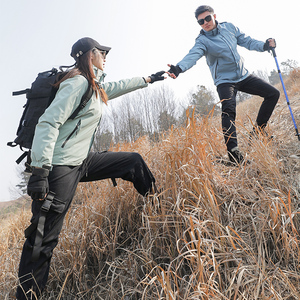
(66, 67)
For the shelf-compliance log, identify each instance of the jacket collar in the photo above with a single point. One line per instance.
(213, 32)
(100, 75)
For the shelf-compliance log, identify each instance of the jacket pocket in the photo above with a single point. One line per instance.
(74, 132)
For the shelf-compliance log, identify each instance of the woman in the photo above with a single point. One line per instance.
(61, 157)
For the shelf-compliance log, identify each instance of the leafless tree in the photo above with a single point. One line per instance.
(146, 111)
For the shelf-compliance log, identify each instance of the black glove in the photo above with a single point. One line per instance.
(157, 76)
(175, 70)
(267, 46)
(38, 186)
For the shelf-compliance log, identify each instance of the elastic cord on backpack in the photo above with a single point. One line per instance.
(66, 67)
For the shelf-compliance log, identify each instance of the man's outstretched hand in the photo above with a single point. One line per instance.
(174, 71)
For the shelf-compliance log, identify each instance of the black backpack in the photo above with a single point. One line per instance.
(39, 97)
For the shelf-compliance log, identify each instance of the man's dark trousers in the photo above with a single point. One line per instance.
(251, 85)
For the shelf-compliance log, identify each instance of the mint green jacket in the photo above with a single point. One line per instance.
(59, 141)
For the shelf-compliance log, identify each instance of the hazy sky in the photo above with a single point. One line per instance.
(145, 36)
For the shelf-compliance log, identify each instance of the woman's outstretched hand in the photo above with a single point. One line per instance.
(156, 77)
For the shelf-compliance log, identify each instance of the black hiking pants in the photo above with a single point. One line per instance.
(63, 181)
(251, 85)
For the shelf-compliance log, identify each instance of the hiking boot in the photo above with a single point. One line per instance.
(259, 132)
(235, 156)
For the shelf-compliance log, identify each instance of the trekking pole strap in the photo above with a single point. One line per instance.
(273, 51)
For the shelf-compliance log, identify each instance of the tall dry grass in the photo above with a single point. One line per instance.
(212, 232)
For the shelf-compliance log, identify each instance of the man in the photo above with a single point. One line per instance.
(218, 43)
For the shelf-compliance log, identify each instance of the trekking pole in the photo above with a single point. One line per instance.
(285, 93)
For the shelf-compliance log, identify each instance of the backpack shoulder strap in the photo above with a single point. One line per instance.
(84, 100)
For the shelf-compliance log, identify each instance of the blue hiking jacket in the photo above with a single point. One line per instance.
(219, 46)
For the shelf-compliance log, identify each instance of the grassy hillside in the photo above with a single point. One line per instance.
(12, 207)
(213, 232)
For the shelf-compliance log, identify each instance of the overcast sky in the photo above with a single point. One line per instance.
(144, 35)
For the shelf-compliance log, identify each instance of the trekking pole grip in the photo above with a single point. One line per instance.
(273, 51)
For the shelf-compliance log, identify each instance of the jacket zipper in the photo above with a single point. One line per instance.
(229, 46)
(216, 69)
(70, 135)
(232, 52)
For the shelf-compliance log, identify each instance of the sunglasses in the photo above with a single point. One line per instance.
(102, 52)
(207, 19)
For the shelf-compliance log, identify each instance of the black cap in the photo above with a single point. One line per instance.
(84, 45)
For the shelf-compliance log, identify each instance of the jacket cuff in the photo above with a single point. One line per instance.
(42, 172)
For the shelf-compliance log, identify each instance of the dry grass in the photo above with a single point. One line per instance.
(213, 232)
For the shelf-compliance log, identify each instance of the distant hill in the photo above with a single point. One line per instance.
(11, 207)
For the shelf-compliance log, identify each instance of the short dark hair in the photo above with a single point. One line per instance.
(201, 9)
